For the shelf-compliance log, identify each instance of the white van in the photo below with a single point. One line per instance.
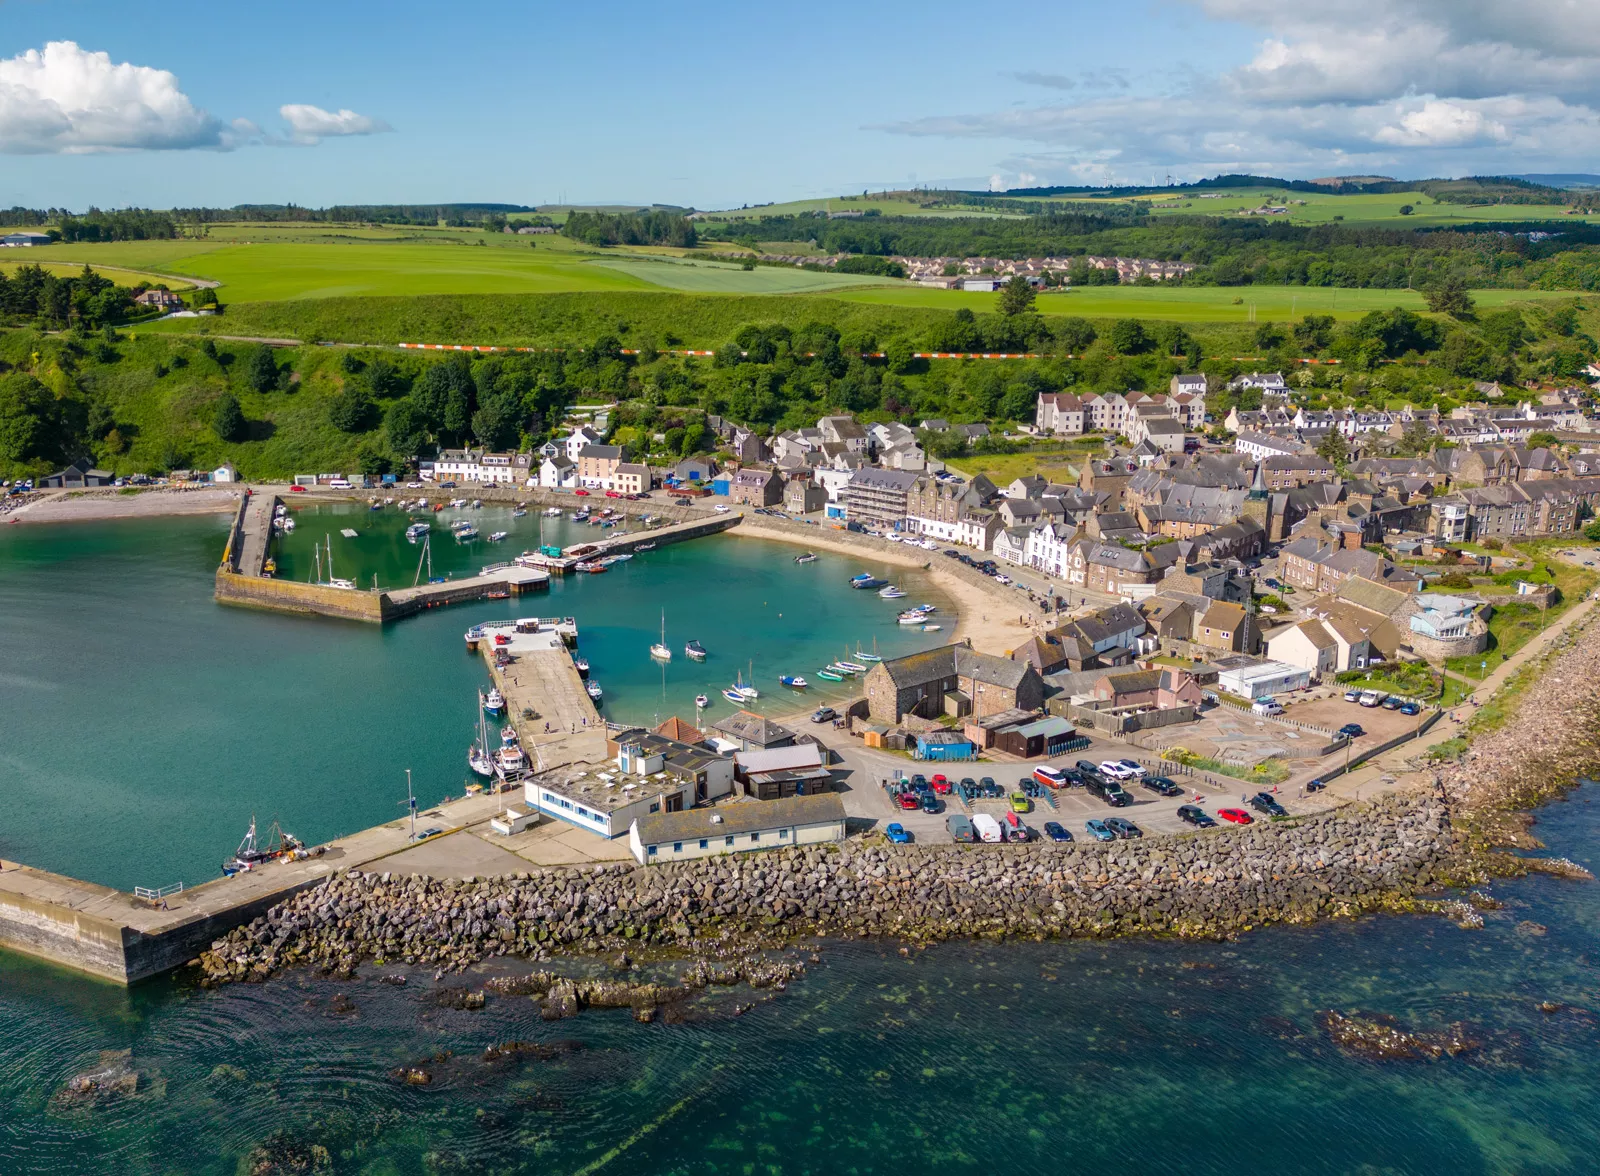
(1267, 707)
(987, 828)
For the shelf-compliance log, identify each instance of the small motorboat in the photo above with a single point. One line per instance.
(465, 532)
(830, 676)
(807, 557)
(733, 696)
(869, 582)
(593, 690)
(890, 592)
(508, 735)
(553, 513)
(793, 681)
(582, 664)
(477, 504)
(694, 651)
(497, 536)
(416, 531)
(701, 701)
(519, 513)
(647, 547)
(288, 524)
(931, 628)
(494, 703)
(912, 617)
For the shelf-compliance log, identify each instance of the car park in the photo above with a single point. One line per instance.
(1020, 802)
(896, 832)
(1123, 828)
(1161, 785)
(1050, 777)
(1193, 814)
(1236, 816)
(1054, 831)
(1262, 802)
(1352, 730)
(1098, 830)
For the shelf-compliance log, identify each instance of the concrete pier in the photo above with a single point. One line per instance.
(543, 679)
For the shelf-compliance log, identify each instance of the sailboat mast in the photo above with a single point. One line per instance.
(329, 538)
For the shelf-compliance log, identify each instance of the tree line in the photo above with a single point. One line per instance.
(655, 227)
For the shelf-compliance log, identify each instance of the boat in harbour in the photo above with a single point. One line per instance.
(508, 735)
(518, 513)
(912, 616)
(793, 681)
(931, 628)
(806, 557)
(416, 531)
(340, 582)
(701, 701)
(592, 688)
(249, 854)
(480, 761)
(647, 547)
(497, 536)
(660, 650)
(733, 696)
(494, 703)
(553, 512)
(694, 651)
(853, 667)
(839, 668)
(863, 655)
(830, 676)
(869, 582)
(890, 592)
(510, 761)
(582, 666)
(746, 690)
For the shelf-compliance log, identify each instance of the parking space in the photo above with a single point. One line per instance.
(1379, 724)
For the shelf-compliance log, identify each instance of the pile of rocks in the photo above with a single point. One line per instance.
(1209, 884)
(1549, 742)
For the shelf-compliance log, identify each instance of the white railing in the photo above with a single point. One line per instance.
(149, 895)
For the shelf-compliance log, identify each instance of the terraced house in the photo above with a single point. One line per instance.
(953, 511)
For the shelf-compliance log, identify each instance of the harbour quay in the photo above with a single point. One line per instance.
(532, 664)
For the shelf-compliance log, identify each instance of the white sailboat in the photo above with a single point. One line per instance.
(478, 757)
(659, 651)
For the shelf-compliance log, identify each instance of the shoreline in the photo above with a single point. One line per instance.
(978, 614)
(103, 505)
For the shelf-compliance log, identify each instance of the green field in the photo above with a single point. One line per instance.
(886, 203)
(1207, 304)
(122, 277)
(711, 277)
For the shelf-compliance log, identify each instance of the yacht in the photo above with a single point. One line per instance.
(518, 513)
(480, 761)
(660, 650)
(494, 703)
(863, 655)
(694, 651)
(853, 667)
(890, 592)
(341, 583)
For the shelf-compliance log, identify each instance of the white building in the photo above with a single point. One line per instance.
(1308, 645)
(608, 800)
(558, 473)
(456, 465)
(581, 436)
(1261, 446)
(736, 828)
(504, 469)
(225, 473)
(1252, 678)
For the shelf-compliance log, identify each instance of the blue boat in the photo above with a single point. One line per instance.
(794, 681)
(494, 703)
(868, 582)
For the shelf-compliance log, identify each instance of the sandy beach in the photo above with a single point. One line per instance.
(76, 506)
(979, 614)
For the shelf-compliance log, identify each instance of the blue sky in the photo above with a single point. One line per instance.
(716, 104)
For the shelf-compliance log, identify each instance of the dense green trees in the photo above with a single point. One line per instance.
(86, 300)
(30, 421)
(631, 228)
(227, 419)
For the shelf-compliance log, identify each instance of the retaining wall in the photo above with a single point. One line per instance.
(295, 597)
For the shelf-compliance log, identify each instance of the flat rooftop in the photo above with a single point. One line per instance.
(605, 790)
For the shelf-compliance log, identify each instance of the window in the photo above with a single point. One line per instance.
(651, 852)
(754, 837)
(702, 843)
(677, 847)
(783, 834)
(655, 808)
(728, 840)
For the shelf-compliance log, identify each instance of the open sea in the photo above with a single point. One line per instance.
(141, 724)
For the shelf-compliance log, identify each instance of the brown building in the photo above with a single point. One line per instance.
(953, 680)
(756, 487)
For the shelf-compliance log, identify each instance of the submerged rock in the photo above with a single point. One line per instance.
(1378, 1037)
(283, 1155)
(112, 1078)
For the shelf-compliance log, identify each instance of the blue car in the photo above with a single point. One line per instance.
(1054, 831)
(1410, 708)
(897, 834)
(1098, 830)
(1353, 730)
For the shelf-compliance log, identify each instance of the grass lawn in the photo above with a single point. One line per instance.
(714, 277)
(122, 277)
(1056, 464)
(1514, 625)
(1320, 208)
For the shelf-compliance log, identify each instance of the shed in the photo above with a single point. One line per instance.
(721, 485)
(944, 746)
(1039, 738)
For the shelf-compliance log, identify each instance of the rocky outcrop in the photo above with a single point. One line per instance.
(1210, 884)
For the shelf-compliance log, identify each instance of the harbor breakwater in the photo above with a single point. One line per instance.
(1218, 883)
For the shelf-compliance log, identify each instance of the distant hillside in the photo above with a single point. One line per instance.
(1562, 179)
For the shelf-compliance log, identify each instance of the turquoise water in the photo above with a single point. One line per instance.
(144, 724)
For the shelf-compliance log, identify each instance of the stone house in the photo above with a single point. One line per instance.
(953, 680)
(597, 465)
(756, 487)
(1226, 627)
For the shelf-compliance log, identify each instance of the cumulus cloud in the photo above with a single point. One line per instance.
(312, 124)
(1421, 86)
(67, 100)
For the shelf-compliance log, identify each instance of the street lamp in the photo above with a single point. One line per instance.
(411, 805)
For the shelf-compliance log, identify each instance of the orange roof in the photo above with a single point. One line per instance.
(676, 728)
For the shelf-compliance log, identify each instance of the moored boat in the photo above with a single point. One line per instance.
(793, 681)
(733, 696)
(853, 667)
(582, 665)
(497, 536)
(494, 703)
(890, 592)
(416, 531)
(592, 688)
(931, 628)
(480, 761)
(830, 676)
(806, 557)
(701, 701)
(694, 651)
(862, 655)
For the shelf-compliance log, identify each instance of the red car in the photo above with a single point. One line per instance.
(1049, 777)
(581, 493)
(1236, 816)
(941, 783)
(297, 489)
(612, 494)
(908, 800)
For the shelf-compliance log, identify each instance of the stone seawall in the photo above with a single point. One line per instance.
(1214, 883)
(293, 596)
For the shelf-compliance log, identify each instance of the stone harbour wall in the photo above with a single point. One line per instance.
(1213, 883)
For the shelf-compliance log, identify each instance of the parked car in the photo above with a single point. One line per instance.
(1050, 777)
(1410, 708)
(896, 832)
(990, 789)
(1161, 785)
(987, 828)
(1262, 802)
(428, 833)
(1316, 785)
(1098, 830)
(721, 508)
(1088, 770)
(1270, 582)
(1193, 814)
(1266, 706)
(1054, 831)
(1393, 703)
(1020, 802)
(297, 489)
(1236, 816)
(581, 493)
(931, 803)
(1353, 730)
(1371, 698)
(941, 783)
(908, 800)
(985, 785)
(1133, 768)
(824, 714)
(1123, 827)
(1013, 827)
(1352, 696)
(1115, 770)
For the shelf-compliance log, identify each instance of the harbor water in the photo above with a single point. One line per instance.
(145, 724)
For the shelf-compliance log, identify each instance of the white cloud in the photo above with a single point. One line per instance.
(66, 100)
(1420, 87)
(312, 124)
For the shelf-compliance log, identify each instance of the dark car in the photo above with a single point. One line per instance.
(1193, 814)
(1316, 785)
(931, 803)
(1393, 703)
(992, 790)
(1353, 730)
(919, 783)
(1123, 827)
(1054, 831)
(1109, 791)
(1162, 785)
(681, 501)
(1087, 770)
(952, 553)
(1410, 708)
(1262, 802)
